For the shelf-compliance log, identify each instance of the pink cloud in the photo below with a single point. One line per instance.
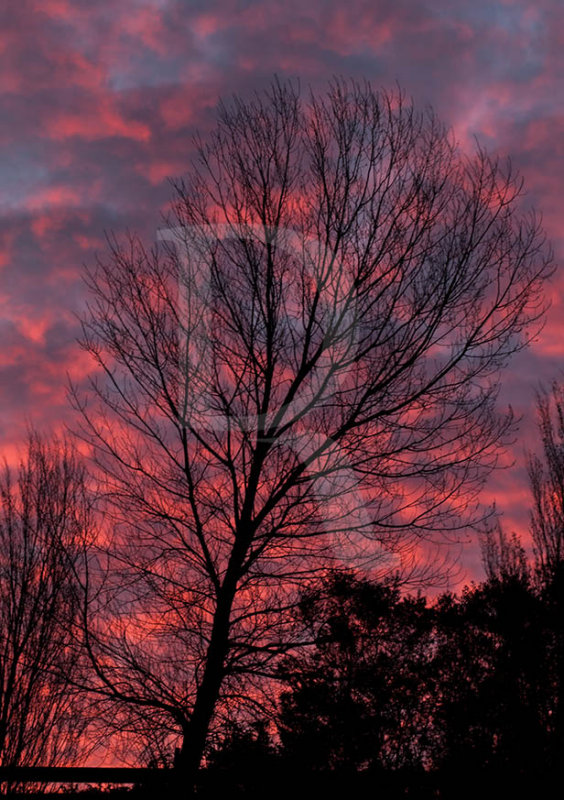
(97, 123)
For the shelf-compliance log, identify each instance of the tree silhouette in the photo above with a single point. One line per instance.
(529, 598)
(301, 375)
(333, 714)
(503, 555)
(489, 673)
(358, 699)
(42, 517)
(546, 477)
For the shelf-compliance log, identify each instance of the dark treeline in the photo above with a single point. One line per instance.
(405, 695)
(402, 696)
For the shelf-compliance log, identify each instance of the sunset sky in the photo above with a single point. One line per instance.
(99, 101)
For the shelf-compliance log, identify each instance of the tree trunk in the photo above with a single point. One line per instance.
(196, 731)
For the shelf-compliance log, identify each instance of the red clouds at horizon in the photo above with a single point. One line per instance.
(100, 101)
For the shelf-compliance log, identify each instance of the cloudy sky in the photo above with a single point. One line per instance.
(99, 101)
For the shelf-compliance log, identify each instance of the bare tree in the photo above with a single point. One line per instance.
(42, 515)
(302, 374)
(546, 477)
(503, 555)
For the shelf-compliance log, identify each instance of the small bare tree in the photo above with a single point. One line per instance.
(42, 516)
(302, 375)
(546, 477)
(503, 556)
